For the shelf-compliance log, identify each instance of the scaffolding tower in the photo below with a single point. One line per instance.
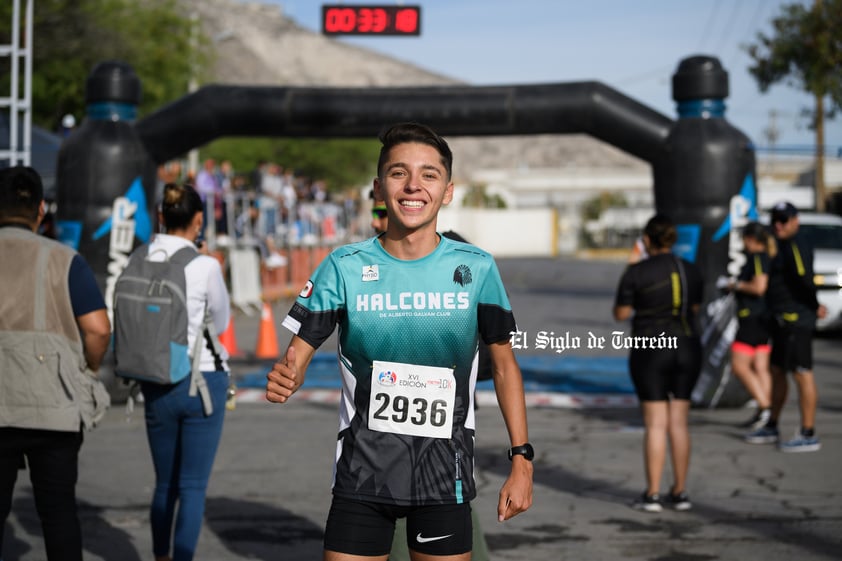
(19, 108)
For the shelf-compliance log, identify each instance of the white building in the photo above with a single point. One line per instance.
(563, 191)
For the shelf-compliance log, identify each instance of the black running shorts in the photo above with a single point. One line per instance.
(792, 347)
(658, 374)
(367, 528)
(754, 332)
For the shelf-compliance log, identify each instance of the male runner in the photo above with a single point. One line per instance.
(411, 306)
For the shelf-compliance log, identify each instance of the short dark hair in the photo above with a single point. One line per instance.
(661, 232)
(403, 133)
(180, 205)
(756, 231)
(21, 193)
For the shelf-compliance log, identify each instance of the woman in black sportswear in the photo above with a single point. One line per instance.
(751, 348)
(662, 295)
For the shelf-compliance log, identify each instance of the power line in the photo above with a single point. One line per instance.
(762, 6)
(729, 26)
(644, 76)
(709, 25)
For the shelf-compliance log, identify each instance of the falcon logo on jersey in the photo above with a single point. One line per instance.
(371, 273)
(307, 290)
(462, 275)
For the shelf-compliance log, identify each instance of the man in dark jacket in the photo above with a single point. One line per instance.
(791, 297)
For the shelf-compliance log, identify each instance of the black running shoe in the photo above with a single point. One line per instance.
(648, 503)
(757, 421)
(680, 501)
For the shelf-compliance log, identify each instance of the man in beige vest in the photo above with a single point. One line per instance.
(54, 331)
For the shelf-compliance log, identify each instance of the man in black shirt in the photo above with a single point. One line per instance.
(791, 298)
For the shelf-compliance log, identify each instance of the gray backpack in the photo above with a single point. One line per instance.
(150, 323)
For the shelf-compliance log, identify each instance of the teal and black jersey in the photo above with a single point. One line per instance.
(408, 338)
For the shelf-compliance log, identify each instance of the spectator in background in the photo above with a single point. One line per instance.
(379, 216)
(750, 350)
(183, 439)
(318, 191)
(225, 177)
(209, 188)
(288, 195)
(791, 297)
(207, 183)
(50, 307)
(256, 175)
(269, 202)
(662, 295)
(272, 184)
(248, 233)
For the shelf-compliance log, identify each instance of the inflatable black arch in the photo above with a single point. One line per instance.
(703, 167)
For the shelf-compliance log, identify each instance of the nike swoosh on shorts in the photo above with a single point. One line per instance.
(420, 539)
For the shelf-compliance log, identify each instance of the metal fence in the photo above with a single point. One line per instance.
(263, 244)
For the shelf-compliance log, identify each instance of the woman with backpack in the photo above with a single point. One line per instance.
(184, 430)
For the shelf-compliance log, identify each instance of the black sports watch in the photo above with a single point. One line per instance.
(526, 451)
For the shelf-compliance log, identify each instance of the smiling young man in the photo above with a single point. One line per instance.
(411, 306)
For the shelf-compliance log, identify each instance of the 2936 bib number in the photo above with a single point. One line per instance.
(412, 399)
(399, 407)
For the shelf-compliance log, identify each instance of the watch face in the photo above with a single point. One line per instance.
(526, 451)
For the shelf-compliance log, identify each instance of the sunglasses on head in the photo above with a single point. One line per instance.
(379, 213)
(780, 219)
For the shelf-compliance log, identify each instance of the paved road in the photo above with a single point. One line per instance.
(269, 491)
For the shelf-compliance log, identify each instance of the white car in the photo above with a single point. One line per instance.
(824, 233)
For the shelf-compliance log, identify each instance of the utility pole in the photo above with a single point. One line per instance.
(820, 188)
(819, 96)
(772, 133)
(192, 86)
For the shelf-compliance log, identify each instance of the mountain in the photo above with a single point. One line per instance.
(256, 44)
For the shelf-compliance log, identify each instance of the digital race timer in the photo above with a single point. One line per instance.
(346, 19)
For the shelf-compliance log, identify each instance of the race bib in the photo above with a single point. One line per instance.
(412, 399)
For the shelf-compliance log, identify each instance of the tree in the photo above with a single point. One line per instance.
(341, 163)
(71, 36)
(158, 39)
(805, 52)
(593, 208)
(478, 197)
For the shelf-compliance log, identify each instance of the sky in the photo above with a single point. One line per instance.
(633, 46)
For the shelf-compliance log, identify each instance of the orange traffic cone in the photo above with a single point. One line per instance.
(229, 340)
(267, 340)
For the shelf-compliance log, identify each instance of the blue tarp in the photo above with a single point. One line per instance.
(569, 374)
